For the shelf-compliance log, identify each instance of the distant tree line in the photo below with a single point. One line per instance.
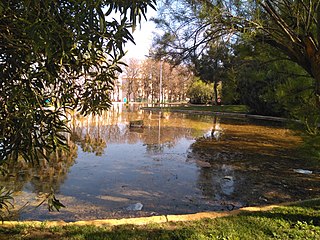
(144, 81)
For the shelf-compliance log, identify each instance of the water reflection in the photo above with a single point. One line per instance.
(175, 164)
(93, 133)
(217, 130)
(31, 182)
(251, 165)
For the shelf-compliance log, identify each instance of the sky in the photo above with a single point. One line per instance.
(143, 38)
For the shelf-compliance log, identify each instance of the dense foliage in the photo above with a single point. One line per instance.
(57, 56)
(195, 30)
(200, 92)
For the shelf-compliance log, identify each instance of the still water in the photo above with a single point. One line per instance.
(176, 164)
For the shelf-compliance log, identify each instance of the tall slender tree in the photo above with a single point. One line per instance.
(132, 78)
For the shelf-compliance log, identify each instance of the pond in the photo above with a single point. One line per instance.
(175, 164)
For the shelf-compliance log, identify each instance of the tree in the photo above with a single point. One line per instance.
(259, 75)
(57, 56)
(290, 26)
(200, 92)
(175, 80)
(268, 83)
(148, 71)
(150, 79)
(132, 78)
(179, 79)
(212, 65)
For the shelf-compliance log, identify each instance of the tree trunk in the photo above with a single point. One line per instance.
(317, 90)
(313, 55)
(215, 93)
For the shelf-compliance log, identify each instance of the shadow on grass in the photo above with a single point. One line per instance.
(289, 217)
(132, 232)
(307, 211)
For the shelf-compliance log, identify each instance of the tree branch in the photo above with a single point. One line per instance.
(279, 21)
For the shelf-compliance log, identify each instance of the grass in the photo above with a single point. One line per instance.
(224, 108)
(301, 221)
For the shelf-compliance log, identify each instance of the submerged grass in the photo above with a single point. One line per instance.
(300, 221)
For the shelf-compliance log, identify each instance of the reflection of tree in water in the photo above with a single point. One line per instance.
(88, 134)
(216, 180)
(217, 183)
(217, 130)
(230, 168)
(159, 148)
(154, 148)
(93, 133)
(43, 176)
(216, 177)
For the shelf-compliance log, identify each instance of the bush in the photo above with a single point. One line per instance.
(200, 92)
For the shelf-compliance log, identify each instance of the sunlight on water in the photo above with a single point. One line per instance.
(175, 164)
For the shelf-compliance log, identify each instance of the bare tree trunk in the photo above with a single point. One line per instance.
(317, 90)
(215, 93)
(313, 57)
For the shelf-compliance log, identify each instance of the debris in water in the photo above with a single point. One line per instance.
(230, 178)
(135, 207)
(263, 199)
(136, 124)
(302, 171)
(203, 164)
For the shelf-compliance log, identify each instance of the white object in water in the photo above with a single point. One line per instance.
(135, 207)
(302, 171)
(229, 178)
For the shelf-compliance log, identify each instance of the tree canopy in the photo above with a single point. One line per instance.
(290, 26)
(57, 56)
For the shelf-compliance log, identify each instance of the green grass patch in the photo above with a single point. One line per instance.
(300, 221)
(224, 108)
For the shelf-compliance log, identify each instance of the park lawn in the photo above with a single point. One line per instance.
(299, 221)
(223, 108)
(208, 108)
